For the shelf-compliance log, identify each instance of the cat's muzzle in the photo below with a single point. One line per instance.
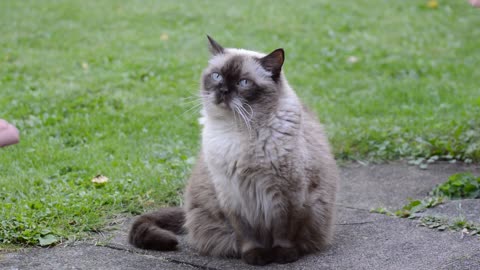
(223, 100)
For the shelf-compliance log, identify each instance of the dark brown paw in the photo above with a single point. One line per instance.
(257, 256)
(285, 255)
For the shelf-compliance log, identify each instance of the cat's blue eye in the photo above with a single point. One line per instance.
(216, 77)
(244, 83)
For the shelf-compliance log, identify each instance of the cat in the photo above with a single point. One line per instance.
(264, 184)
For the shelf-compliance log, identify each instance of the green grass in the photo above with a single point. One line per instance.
(96, 88)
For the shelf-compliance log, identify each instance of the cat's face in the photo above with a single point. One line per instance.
(241, 81)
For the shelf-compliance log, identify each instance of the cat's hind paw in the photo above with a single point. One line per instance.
(257, 256)
(285, 255)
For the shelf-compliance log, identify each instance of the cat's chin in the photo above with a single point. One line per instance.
(224, 106)
(220, 110)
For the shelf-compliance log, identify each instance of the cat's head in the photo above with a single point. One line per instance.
(241, 81)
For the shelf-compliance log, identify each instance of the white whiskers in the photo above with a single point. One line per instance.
(195, 102)
(246, 116)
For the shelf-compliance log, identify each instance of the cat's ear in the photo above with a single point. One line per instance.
(273, 62)
(214, 47)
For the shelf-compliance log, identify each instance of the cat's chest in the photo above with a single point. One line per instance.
(230, 152)
(223, 147)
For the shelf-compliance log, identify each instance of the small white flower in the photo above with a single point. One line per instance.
(352, 59)
(100, 180)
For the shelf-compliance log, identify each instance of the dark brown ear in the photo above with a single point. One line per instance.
(273, 62)
(214, 47)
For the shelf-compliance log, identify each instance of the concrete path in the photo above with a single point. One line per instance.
(363, 240)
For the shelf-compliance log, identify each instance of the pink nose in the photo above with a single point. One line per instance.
(8, 134)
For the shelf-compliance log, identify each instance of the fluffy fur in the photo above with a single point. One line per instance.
(265, 181)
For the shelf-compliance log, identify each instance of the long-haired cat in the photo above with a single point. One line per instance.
(264, 184)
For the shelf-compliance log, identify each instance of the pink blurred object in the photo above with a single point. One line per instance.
(475, 3)
(8, 133)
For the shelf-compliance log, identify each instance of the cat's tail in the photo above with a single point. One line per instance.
(156, 230)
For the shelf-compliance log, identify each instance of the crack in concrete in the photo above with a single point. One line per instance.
(462, 258)
(351, 207)
(355, 223)
(116, 247)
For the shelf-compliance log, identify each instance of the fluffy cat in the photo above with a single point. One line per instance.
(264, 184)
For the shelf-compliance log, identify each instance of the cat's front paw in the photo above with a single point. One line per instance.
(257, 256)
(285, 255)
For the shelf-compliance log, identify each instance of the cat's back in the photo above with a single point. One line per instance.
(314, 134)
(321, 168)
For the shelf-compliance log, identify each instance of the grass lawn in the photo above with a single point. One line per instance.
(105, 87)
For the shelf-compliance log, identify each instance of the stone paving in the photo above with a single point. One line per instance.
(363, 240)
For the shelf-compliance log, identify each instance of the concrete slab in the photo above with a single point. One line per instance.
(363, 240)
(457, 209)
(85, 256)
(389, 185)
